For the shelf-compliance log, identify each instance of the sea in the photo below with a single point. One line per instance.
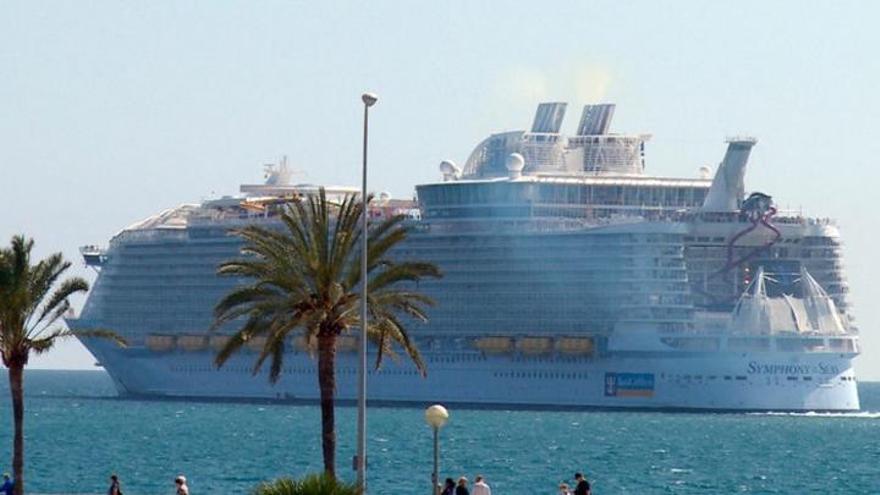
(78, 432)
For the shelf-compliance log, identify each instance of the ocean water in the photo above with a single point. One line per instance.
(78, 432)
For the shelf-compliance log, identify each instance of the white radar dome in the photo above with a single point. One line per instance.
(515, 165)
(449, 170)
(704, 172)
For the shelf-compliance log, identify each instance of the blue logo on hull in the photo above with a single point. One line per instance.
(629, 384)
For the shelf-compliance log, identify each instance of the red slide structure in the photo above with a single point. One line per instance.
(758, 209)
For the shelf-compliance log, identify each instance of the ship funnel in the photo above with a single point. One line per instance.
(596, 119)
(549, 117)
(728, 186)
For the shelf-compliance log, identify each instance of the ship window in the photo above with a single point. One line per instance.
(791, 378)
(740, 378)
(727, 377)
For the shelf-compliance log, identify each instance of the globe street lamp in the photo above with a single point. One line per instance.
(369, 100)
(436, 416)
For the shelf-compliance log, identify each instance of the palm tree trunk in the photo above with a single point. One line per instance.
(327, 383)
(16, 389)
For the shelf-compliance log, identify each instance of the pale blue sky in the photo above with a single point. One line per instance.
(110, 111)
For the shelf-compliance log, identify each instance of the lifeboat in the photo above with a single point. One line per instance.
(346, 343)
(574, 345)
(160, 343)
(494, 345)
(535, 345)
(256, 344)
(192, 343)
(218, 342)
(301, 343)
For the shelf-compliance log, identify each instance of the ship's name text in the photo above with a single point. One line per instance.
(759, 368)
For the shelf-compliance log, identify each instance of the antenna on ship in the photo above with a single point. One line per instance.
(278, 174)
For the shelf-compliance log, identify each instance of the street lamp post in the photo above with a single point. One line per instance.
(369, 100)
(436, 416)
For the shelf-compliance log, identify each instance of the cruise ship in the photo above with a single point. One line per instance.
(572, 279)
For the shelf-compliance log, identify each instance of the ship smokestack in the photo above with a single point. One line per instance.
(596, 119)
(548, 118)
(728, 186)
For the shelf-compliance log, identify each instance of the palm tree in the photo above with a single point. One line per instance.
(304, 281)
(28, 317)
(313, 484)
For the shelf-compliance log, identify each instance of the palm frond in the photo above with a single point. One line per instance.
(389, 328)
(235, 342)
(304, 279)
(240, 302)
(409, 271)
(43, 344)
(58, 304)
(29, 307)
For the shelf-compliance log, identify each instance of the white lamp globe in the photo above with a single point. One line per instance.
(436, 416)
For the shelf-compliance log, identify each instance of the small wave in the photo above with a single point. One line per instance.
(814, 414)
(680, 470)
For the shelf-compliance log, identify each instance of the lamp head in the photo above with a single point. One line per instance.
(369, 99)
(436, 416)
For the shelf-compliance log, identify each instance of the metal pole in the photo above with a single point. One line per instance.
(362, 382)
(435, 478)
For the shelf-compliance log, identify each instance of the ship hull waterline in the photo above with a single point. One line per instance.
(698, 381)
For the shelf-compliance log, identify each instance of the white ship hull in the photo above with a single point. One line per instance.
(768, 381)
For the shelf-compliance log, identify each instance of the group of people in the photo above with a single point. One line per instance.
(461, 488)
(116, 487)
(581, 486)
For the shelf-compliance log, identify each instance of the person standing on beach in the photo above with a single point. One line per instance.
(114, 489)
(563, 489)
(182, 489)
(449, 489)
(462, 488)
(480, 486)
(583, 486)
(8, 485)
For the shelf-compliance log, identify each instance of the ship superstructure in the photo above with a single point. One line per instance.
(571, 278)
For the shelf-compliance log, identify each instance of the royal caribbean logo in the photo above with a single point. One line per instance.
(629, 385)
